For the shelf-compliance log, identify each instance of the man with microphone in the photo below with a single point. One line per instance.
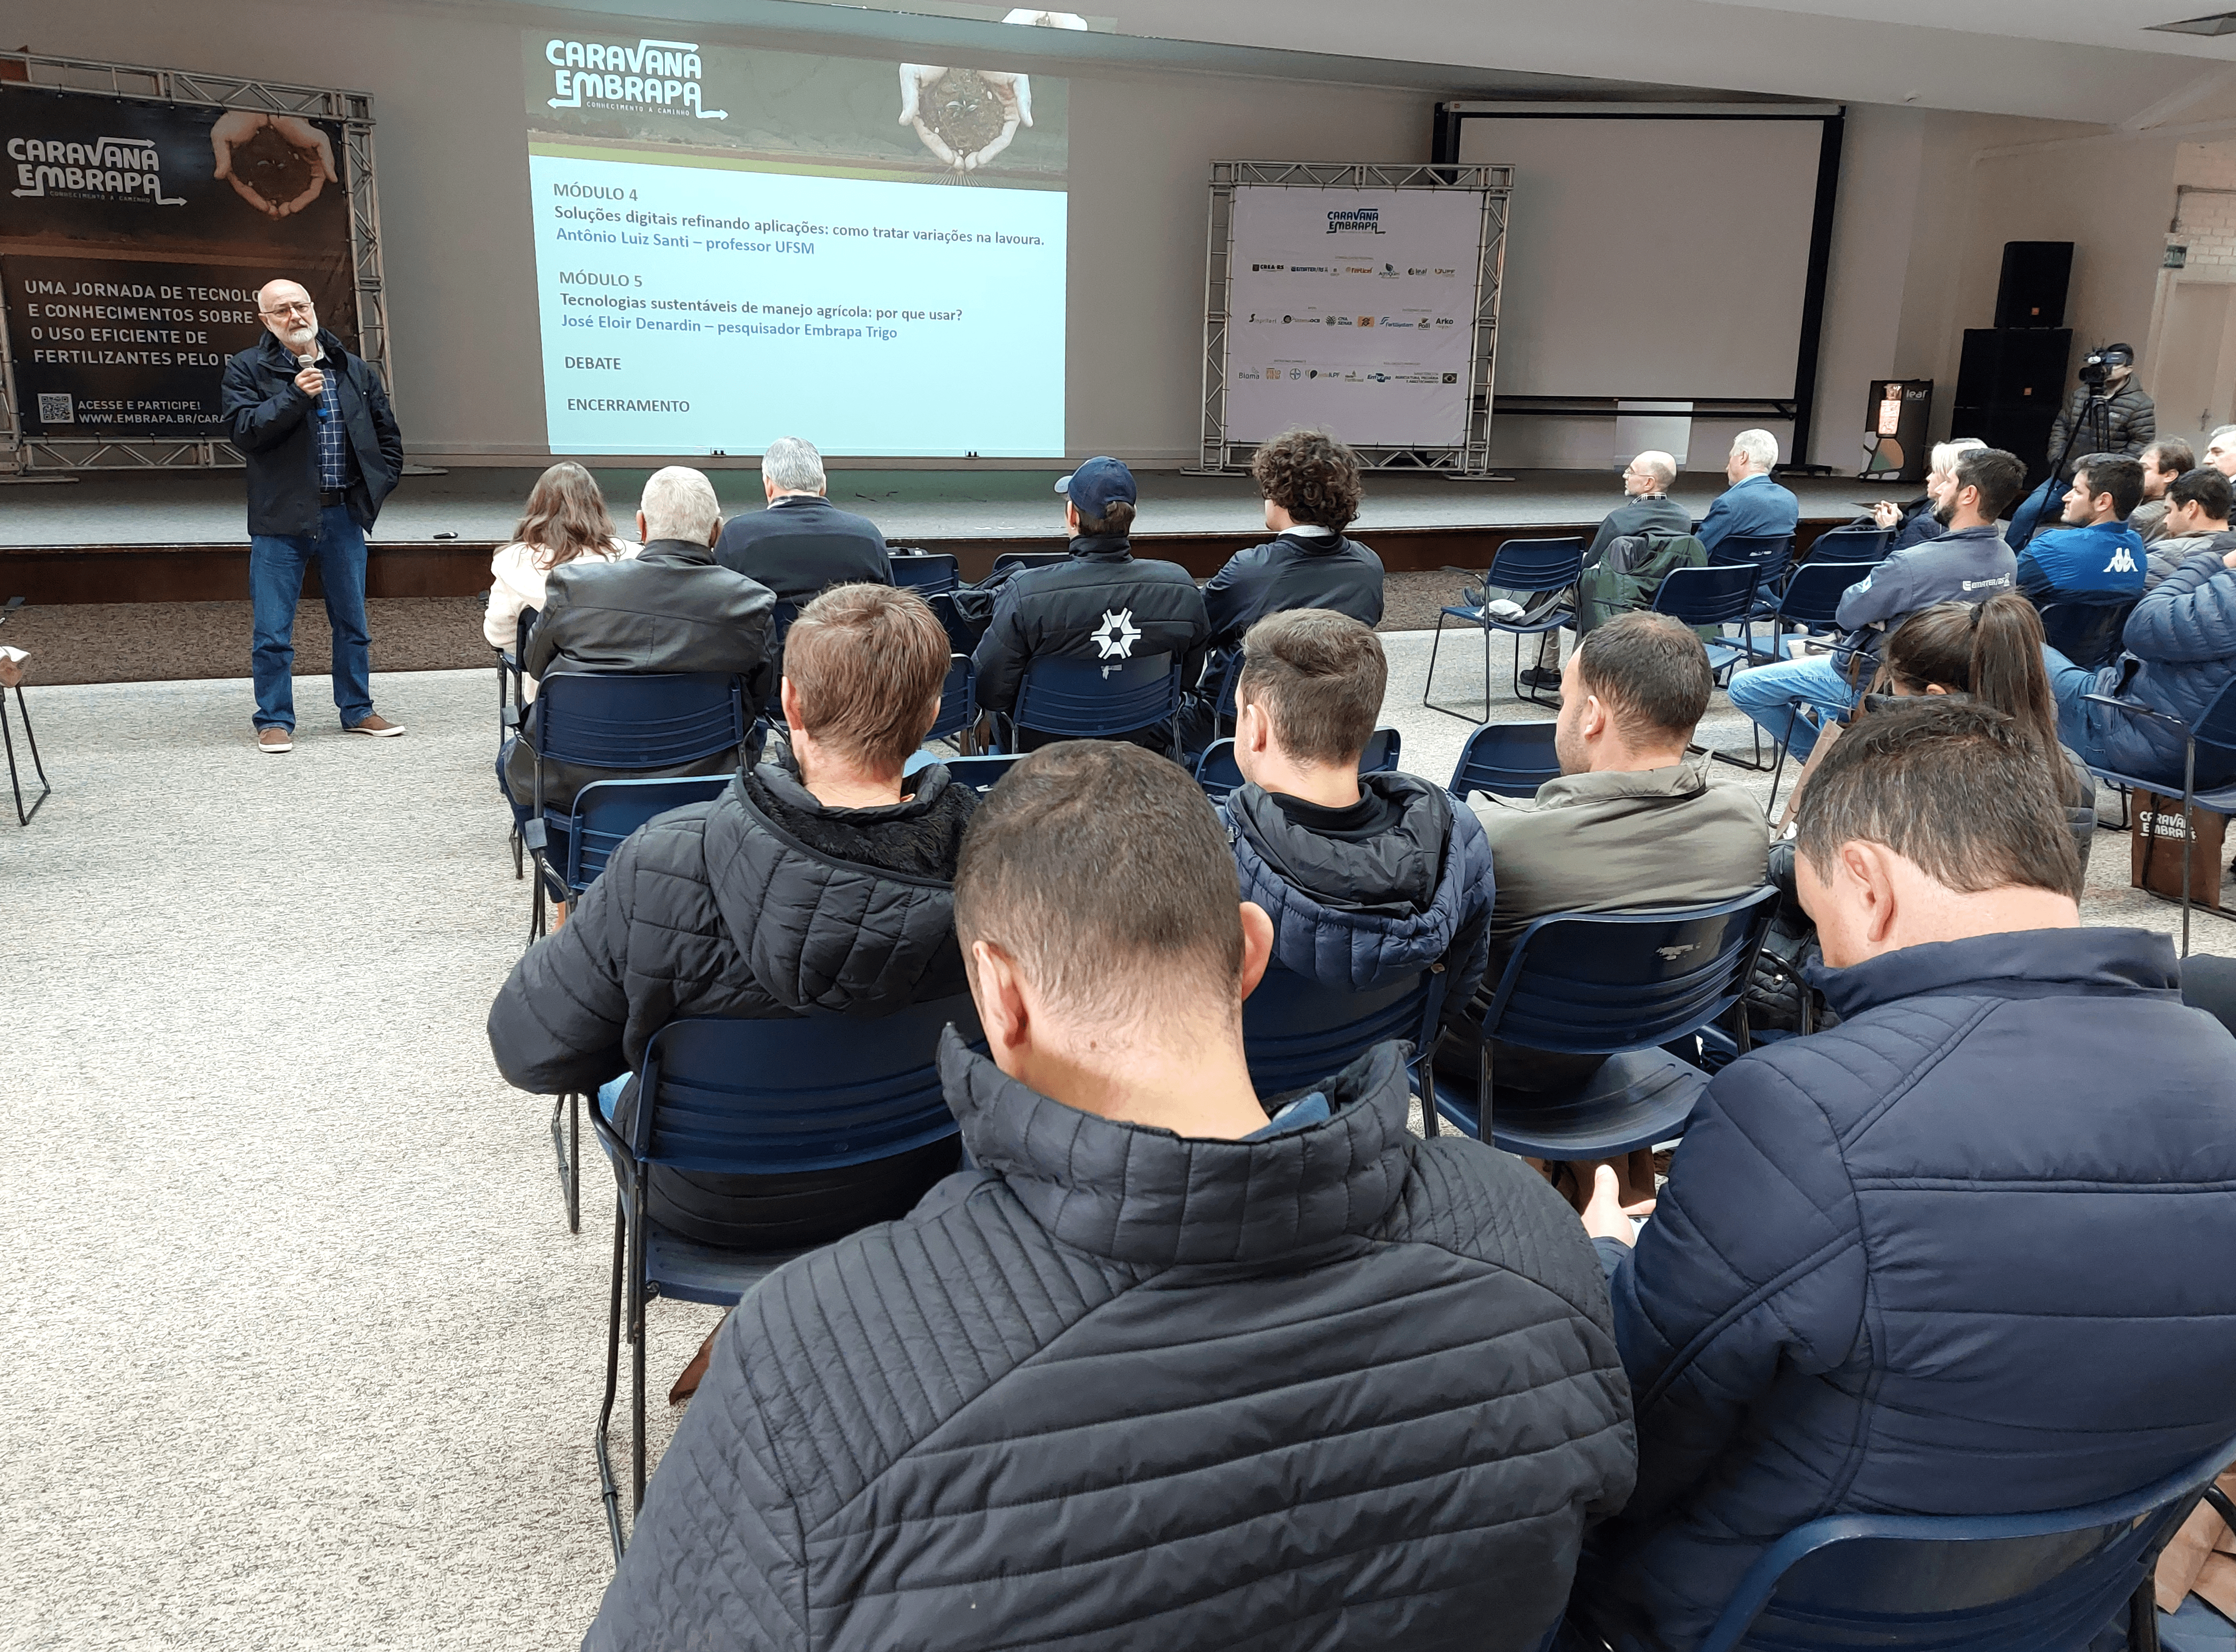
(322, 451)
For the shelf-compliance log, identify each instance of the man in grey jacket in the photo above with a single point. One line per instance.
(1792, 700)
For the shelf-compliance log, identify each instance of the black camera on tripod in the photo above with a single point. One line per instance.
(2097, 369)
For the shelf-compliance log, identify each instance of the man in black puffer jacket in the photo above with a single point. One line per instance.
(815, 883)
(1102, 604)
(1161, 1371)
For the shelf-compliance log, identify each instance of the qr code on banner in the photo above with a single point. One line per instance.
(56, 409)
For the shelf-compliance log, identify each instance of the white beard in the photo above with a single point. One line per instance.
(302, 340)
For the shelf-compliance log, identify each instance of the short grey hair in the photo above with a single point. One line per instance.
(1657, 464)
(793, 465)
(1759, 447)
(1944, 453)
(2226, 430)
(678, 502)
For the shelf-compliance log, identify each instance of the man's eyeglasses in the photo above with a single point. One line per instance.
(288, 310)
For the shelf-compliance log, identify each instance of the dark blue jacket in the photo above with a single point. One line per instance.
(2105, 559)
(1294, 571)
(1753, 505)
(275, 428)
(1119, 1389)
(801, 545)
(1963, 1254)
(2181, 650)
(1354, 917)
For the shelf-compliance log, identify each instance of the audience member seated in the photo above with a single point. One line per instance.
(1102, 603)
(1620, 583)
(2096, 553)
(669, 608)
(1311, 483)
(801, 544)
(1925, 517)
(2196, 514)
(1969, 563)
(2221, 451)
(2181, 650)
(1632, 820)
(565, 518)
(1753, 504)
(1160, 1369)
(1368, 878)
(2163, 462)
(1944, 1257)
(820, 881)
(1647, 507)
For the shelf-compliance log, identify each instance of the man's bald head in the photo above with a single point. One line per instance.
(285, 310)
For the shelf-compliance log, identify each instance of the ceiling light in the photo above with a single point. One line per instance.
(2221, 23)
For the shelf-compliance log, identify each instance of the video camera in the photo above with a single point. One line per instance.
(2096, 369)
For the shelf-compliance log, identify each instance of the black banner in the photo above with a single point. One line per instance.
(130, 264)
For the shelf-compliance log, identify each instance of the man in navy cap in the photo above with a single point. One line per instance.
(1102, 604)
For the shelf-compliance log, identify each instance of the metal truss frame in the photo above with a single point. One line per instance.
(1469, 456)
(21, 452)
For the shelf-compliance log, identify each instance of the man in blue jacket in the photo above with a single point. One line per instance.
(1753, 504)
(2181, 652)
(1945, 1257)
(2096, 553)
(1369, 879)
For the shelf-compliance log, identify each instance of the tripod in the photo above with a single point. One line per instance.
(2026, 521)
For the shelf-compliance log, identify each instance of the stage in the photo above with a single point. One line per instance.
(175, 537)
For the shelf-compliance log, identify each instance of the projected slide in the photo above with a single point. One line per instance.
(732, 246)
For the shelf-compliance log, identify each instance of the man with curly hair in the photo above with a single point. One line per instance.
(1310, 481)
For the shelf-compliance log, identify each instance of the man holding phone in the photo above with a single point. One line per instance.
(322, 451)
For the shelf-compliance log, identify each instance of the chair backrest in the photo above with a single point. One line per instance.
(1506, 760)
(1601, 983)
(961, 638)
(607, 811)
(1813, 597)
(1216, 771)
(1091, 699)
(980, 773)
(2037, 1583)
(1769, 552)
(1382, 750)
(1296, 1032)
(924, 571)
(2215, 729)
(958, 699)
(1708, 596)
(521, 627)
(1535, 564)
(2088, 634)
(1850, 544)
(612, 720)
(1020, 559)
(1230, 675)
(819, 1092)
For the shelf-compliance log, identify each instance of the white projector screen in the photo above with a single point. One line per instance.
(1652, 259)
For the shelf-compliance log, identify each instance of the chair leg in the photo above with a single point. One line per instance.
(573, 1162)
(2143, 1617)
(1482, 1092)
(1770, 809)
(2188, 834)
(637, 1294)
(1428, 683)
(609, 1489)
(15, 779)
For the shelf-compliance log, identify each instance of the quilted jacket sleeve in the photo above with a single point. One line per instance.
(2189, 615)
(1000, 661)
(1470, 957)
(558, 1022)
(1753, 1261)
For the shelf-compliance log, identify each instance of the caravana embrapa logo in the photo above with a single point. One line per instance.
(106, 169)
(652, 76)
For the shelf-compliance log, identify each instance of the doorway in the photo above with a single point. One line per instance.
(2195, 386)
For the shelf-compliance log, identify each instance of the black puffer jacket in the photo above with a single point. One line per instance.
(1340, 1388)
(761, 904)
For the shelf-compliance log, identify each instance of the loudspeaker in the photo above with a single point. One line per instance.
(2013, 366)
(2022, 430)
(2032, 291)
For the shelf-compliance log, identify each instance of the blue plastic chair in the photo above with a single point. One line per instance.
(1506, 760)
(1810, 601)
(961, 636)
(1617, 984)
(1020, 560)
(1850, 544)
(1720, 594)
(754, 1098)
(1296, 1032)
(958, 699)
(1216, 772)
(2088, 634)
(2215, 732)
(1524, 565)
(981, 773)
(1095, 699)
(619, 722)
(1771, 552)
(925, 572)
(2028, 1583)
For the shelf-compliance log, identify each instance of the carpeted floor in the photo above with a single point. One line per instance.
(301, 1355)
(152, 642)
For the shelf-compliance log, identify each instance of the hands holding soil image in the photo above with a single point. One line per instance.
(964, 116)
(277, 163)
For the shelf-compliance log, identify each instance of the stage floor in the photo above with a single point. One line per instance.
(480, 506)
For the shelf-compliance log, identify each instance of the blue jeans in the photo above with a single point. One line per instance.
(277, 563)
(2080, 724)
(1764, 692)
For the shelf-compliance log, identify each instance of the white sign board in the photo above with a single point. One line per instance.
(1353, 310)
